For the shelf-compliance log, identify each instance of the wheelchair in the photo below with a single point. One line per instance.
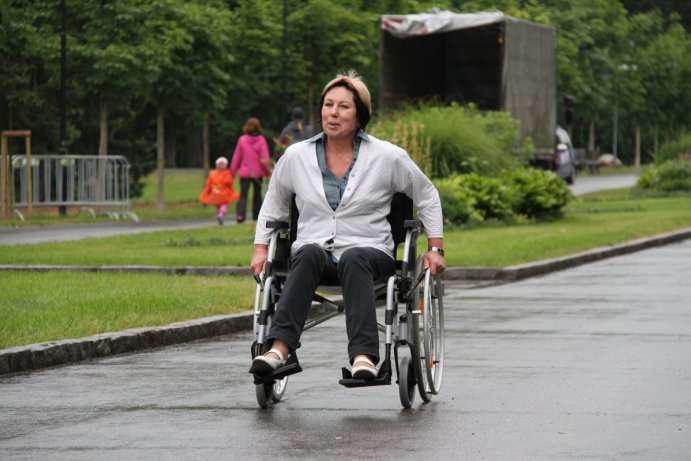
(413, 314)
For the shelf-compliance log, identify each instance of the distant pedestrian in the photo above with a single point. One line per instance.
(218, 189)
(251, 162)
(294, 131)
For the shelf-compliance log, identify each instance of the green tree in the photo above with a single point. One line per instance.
(666, 73)
(256, 45)
(19, 51)
(327, 38)
(592, 37)
(112, 54)
(209, 64)
(193, 73)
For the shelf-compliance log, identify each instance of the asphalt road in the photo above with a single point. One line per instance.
(588, 363)
(587, 184)
(35, 234)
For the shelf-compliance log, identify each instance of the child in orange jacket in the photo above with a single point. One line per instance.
(218, 189)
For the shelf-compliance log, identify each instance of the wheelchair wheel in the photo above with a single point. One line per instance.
(267, 393)
(418, 360)
(432, 307)
(417, 338)
(427, 327)
(406, 382)
(264, 393)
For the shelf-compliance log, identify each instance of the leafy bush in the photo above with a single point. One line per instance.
(670, 176)
(539, 193)
(471, 198)
(670, 150)
(457, 202)
(463, 140)
(493, 199)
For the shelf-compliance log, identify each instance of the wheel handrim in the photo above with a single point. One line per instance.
(433, 332)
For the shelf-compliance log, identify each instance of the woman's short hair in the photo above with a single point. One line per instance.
(252, 125)
(363, 102)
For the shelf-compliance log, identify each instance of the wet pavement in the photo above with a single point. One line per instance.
(587, 184)
(592, 362)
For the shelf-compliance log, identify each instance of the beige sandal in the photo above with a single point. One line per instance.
(263, 364)
(365, 371)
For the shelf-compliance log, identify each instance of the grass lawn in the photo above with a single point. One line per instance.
(597, 220)
(210, 246)
(38, 307)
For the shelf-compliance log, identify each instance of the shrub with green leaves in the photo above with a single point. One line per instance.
(492, 198)
(539, 193)
(472, 198)
(670, 176)
(458, 203)
(671, 150)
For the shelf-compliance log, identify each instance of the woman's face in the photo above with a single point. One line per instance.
(339, 115)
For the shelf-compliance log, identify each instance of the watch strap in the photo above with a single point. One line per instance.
(436, 250)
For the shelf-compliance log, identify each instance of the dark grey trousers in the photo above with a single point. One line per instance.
(256, 197)
(356, 272)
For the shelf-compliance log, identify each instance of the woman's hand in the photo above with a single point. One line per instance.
(259, 257)
(434, 261)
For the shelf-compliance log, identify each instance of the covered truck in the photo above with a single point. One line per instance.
(490, 59)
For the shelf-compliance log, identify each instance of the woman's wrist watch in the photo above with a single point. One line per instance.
(436, 250)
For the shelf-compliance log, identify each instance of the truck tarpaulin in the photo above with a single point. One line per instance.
(490, 59)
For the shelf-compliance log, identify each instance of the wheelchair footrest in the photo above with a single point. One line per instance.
(291, 367)
(383, 378)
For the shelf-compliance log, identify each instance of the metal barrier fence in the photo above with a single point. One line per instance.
(71, 180)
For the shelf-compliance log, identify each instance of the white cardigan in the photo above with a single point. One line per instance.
(380, 170)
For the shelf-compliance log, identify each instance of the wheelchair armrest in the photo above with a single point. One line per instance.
(412, 224)
(277, 225)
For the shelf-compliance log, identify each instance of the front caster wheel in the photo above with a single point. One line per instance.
(268, 393)
(406, 383)
(265, 393)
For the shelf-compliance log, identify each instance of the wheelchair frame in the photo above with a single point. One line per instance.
(411, 292)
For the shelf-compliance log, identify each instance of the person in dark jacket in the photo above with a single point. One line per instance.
(294, 131)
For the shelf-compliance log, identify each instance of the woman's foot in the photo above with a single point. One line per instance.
(363, 368)
(268, 362)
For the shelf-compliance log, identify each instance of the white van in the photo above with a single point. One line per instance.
(564, 156)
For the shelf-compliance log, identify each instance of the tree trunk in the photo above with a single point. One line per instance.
(193, 145)
(160, 155)
(655, 141)
(310, 110)
(103, 119)
(591, 135)
(637, 147)
(171, 151)
(102, 151)
(205, 143)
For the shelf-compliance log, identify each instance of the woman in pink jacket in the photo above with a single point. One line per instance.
(251, 163)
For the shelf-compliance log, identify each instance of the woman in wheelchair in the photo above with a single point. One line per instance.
(343, 181)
